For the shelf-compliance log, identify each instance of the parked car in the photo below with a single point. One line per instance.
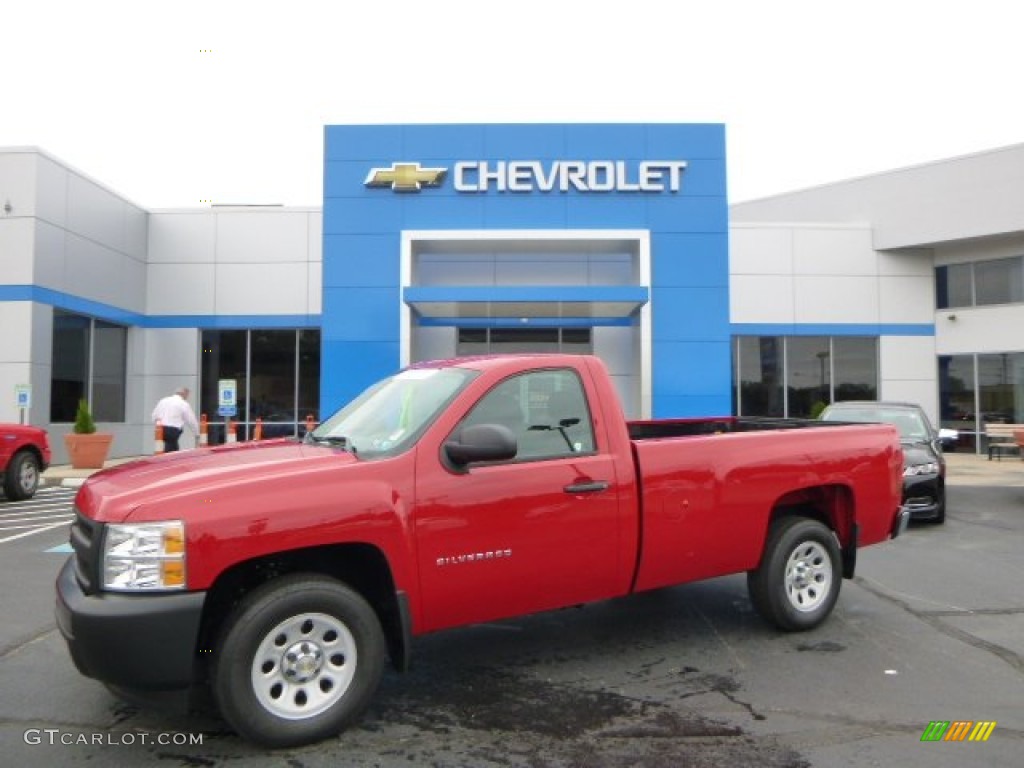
(924, 467)
(24, 456)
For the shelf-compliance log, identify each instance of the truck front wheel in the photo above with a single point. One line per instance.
(298, 660)
(797, 584)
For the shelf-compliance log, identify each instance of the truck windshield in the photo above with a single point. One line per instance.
(388, 417)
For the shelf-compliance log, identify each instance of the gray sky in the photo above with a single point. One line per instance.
(180, 103)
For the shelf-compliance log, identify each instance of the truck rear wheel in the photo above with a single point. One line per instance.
(298, 660)
(797, 584)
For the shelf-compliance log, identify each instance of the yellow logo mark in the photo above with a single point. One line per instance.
(405, 177)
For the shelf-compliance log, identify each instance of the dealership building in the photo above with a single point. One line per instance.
(437, 241)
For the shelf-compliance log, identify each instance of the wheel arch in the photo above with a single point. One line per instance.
(831, 505)
(363, 567)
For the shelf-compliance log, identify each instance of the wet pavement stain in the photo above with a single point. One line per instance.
(489, 717)
(825, 646)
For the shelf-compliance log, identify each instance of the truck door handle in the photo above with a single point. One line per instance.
(588, 486)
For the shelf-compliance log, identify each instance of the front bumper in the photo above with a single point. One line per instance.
(923, 495)
(141, 642)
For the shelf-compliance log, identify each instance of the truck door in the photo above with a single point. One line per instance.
(537, 532)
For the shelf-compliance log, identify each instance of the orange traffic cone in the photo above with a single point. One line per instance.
(310, 424)
(257, 433)
(158, 437)
(232, 431)
(204, 430)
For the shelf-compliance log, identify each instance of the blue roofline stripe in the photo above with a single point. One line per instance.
(110, 313)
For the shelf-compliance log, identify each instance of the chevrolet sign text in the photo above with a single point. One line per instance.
(566, 175)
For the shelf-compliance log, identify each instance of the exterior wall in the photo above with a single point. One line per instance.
(947, 201)
(807, 276)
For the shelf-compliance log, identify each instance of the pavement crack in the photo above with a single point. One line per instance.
(935, 620)
(11, 649)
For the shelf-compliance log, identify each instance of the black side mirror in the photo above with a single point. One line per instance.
(481, 442)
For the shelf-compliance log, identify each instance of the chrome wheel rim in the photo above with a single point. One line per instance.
(304, 666)
(808, 576)
(28, 477)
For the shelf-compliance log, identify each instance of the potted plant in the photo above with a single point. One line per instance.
(87, 448)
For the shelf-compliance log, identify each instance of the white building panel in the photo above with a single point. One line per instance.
(264, 289)
(907, 358)
(981, 329)
(906, 299)
(11, 376)
(833, 251)
(51, 191)
(761, 250)
(16, 241)
(182, 237)
(916, 262)
(181, 289)
(315, 235)
(49, 255)
(269, 237)
(18, 182)
(95, 213)
(96, 272)
(835, 299)
(315, 290)
(907, 365)
(172, 353)
(15, 347)
(761, 299)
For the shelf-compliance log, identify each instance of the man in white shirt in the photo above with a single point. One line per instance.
(173, 412)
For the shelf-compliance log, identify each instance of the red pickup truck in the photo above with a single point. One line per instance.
(24, 456)
(282, 574)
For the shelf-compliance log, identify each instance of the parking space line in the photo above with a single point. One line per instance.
(5, 524)
(42, 529)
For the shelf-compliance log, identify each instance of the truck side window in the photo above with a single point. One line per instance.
(546, 411)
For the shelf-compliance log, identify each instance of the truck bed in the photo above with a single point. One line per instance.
(662, 428)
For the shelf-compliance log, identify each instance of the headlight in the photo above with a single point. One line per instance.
(931, 468)
(144, 556)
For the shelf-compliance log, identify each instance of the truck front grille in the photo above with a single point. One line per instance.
(85, 541)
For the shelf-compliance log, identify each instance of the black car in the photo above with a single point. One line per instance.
(924, 468)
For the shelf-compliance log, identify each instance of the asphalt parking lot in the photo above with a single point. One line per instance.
(932, 629)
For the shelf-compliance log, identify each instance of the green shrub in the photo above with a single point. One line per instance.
(84, 425)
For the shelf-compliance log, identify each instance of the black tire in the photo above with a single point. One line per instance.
(797, 584)
(22, 477)
(298, 660)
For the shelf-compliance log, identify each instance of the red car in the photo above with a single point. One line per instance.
(24, 455)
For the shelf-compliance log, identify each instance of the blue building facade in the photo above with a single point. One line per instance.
(448, 240)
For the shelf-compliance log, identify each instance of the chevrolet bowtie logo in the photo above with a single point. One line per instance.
(405, 177)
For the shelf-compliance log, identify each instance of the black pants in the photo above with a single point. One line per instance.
(171, 435)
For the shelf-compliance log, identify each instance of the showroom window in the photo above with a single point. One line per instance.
(980, 283)
(975, 390)
(90, 362)
(276, 375)
(797, 376)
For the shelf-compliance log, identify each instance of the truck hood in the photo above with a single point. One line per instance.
(114, 494)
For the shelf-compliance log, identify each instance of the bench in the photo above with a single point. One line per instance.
(1004, 438)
